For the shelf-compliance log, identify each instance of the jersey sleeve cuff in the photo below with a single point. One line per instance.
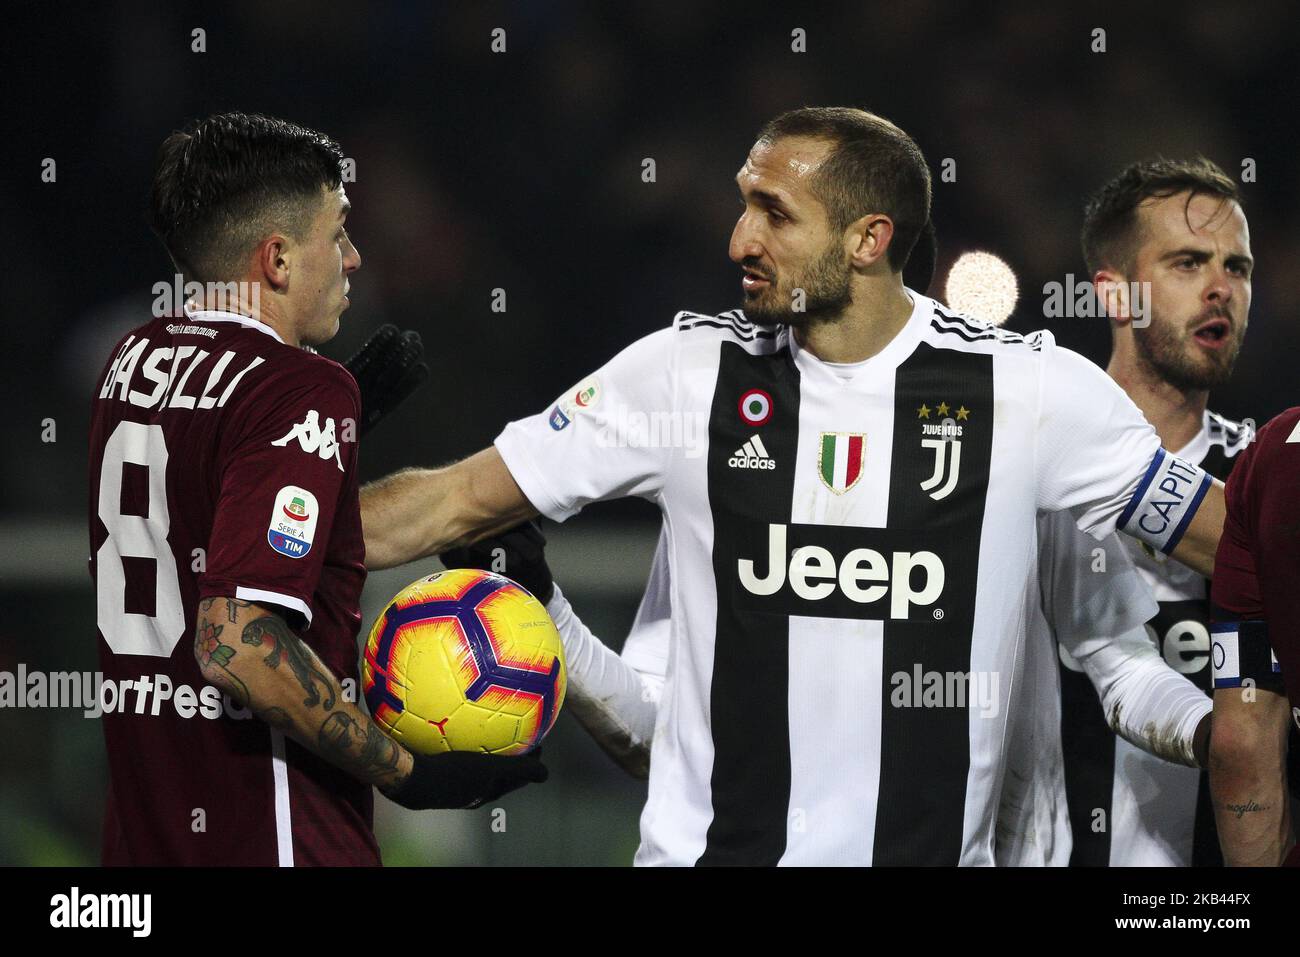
(519, 461)
(262, 596)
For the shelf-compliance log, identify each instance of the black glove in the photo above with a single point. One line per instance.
(465, 779)
(524, 550)
(389, 367)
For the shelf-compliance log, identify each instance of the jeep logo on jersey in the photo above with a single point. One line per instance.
(848, 579)
(840, 457)
(293, 522)
(314, 439)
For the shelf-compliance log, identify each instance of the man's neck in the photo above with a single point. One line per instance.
(862, 331)
(1176, 415)
(242, 307)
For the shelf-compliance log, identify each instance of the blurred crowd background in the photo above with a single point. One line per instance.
(522, 171)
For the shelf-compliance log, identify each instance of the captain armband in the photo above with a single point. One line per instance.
(1165, 501)
(1240, 653)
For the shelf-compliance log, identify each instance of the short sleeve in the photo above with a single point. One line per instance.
(1094, 446)
(1092, 591)
(284, 473)
(1241, 649)
(1235, 588)
(610, 436)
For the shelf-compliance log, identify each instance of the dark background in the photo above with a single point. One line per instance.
(522, 171)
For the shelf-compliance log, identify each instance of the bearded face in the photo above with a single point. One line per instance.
(819, 290)
(1195, 259)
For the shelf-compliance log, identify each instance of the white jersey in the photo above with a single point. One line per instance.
(849, 552)
(648, 644)
(1089, 595)
(1128, 807)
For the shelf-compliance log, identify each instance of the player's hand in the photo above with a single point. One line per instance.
(465, 779)
(523, 549)
(388, 368)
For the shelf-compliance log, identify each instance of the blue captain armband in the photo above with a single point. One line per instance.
(1165, 501)
(1240, 652)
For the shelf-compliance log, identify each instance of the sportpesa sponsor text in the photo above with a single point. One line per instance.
(151, 692)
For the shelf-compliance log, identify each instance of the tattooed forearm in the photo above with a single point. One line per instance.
(233, 605)
(214, 658)
(322, 720)
(288, 647)
(276, 717)
(366, 752)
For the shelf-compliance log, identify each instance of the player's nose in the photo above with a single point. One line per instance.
(1219, 286)
(744, 244)
(351, 258)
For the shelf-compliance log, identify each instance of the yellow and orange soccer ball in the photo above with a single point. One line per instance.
(464, 660)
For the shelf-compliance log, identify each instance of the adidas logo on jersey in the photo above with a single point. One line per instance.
(752, 455)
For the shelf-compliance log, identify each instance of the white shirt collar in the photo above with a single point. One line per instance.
(218, 315)
(894, 352)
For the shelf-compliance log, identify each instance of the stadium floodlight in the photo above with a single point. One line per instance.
(982, 286)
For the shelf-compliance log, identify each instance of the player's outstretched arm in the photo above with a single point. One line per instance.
(1248, 746)
(417, 512)
(1201, 540)
(254, 656)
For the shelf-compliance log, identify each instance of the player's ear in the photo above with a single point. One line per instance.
(273, 261)
(1112, 294)
(869, 238)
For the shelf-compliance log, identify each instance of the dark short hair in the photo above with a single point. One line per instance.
(1110, 218)
(224, 183)
(873, 167)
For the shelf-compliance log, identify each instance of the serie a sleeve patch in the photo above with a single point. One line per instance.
(1240, 652)
(1165, 501)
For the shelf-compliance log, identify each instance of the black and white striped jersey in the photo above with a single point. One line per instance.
(848, 615)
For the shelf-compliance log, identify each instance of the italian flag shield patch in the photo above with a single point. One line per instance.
(840, 460)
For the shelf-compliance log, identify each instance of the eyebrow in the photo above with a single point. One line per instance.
(764, 196)
(345, 209)
(1201, 255)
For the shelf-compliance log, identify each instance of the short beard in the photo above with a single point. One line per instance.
(1161, 349)
(827, 289)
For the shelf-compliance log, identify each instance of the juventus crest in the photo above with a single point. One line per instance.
(943, 438)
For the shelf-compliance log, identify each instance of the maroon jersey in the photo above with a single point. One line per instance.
(222, 463)
(1256, 588)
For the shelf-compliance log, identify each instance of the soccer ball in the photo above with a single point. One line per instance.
(464, 660)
